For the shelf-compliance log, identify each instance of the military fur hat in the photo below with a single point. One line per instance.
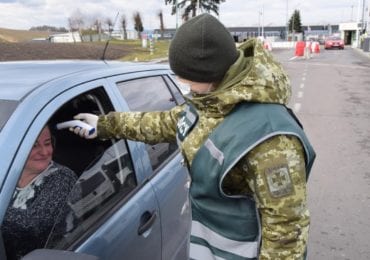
(202, 50)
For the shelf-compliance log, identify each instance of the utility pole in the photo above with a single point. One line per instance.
(287, 22)
(357, 23)
(177, 16)
(263, 20)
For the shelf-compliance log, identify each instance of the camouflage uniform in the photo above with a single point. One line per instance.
(254, 77)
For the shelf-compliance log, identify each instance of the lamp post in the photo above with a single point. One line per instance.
(287, 22)
(177, 16)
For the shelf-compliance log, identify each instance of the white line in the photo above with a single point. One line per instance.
(300, 94)
(303, 78)
(297, 107)
(302, 85)
(293, 58)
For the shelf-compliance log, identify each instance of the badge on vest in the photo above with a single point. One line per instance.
(188, 119)
(279, 181)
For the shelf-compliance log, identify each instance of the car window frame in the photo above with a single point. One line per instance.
(30, 134)
(113, 80)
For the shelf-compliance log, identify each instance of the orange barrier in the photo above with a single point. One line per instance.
(316, 47)
(299, 48)
(267, 46)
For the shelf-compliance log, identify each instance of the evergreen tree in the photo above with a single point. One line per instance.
(192, 6)
(138, 24)
(161, 23)
(124, 26)
(295, 24)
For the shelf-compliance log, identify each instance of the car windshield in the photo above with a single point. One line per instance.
(6, 107)
(334, 38)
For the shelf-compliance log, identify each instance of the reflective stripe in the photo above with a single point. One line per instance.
(241, 248)
(214, 151)
(200, 252)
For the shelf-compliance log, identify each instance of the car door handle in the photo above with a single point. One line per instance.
(146, 221)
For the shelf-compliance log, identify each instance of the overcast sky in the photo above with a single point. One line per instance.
(24, 14)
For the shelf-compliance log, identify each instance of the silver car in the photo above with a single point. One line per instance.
(133, 197)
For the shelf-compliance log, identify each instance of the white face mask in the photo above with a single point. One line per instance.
(185, 88)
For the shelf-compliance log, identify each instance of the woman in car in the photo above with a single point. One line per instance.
(38, 199)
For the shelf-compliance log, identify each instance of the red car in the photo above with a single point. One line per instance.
(333, 42)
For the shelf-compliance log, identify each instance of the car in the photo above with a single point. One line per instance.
(135, 202)
(333, 42)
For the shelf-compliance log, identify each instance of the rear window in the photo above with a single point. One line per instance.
(7, 107)
(334, 38)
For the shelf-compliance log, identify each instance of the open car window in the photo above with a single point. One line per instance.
(105, 172)
(99, 188)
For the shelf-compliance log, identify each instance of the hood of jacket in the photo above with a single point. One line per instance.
(255, 77)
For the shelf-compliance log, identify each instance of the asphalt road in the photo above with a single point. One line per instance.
(331, 96)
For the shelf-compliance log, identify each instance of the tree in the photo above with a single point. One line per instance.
(160, 16)
(138, 24)
(295, 24)
(76, 22)
(97, 26)
(193, 6)
(109, 23)
(124, 26)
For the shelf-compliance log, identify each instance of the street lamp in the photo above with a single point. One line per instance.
(287, 23)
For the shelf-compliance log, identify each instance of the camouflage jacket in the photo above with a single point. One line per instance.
(254, 77)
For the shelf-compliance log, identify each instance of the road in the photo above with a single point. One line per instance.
(331, 96)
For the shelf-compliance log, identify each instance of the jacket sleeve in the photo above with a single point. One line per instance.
(277, 177)
(148, 127)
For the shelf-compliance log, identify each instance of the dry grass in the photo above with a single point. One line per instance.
(10, 35)
(18, 45)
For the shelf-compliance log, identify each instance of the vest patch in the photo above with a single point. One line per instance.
(278, 181)
(187, 121)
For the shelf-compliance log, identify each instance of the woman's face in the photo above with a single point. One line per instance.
(41, 153)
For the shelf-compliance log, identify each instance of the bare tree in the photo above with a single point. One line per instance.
(138, 24)
(160, 16)
(97, 26)
(76, 22)
(124, 26)
(109, 23)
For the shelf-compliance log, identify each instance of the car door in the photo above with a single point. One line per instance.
(112, 212)
(155, 91)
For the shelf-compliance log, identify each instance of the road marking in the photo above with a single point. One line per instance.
(293, 58)
(297, 107)
(300, 94)
(303, 78)
(302, 85)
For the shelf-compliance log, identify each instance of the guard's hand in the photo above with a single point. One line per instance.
(91, 120)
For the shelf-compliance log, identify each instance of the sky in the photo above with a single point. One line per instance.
(24, 14)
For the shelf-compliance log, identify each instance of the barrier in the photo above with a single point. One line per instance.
(299, 48)
(316, 47)
(308, 50)
(267, 46)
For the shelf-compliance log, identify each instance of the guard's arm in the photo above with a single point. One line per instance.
(276, 175)
(148, 127)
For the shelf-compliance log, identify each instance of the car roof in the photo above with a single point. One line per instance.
(18, 78)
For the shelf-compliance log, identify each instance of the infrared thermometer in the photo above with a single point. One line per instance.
(74, 124)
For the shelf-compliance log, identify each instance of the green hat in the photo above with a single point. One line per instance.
(202, 50)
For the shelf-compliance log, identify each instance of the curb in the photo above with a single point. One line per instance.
(363, 53)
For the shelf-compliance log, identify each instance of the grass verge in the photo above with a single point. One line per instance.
(140, 53)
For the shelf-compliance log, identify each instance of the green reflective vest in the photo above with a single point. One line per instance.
(225, 227)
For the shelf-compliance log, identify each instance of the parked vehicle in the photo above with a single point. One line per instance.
(134, 202)
(333, 42)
